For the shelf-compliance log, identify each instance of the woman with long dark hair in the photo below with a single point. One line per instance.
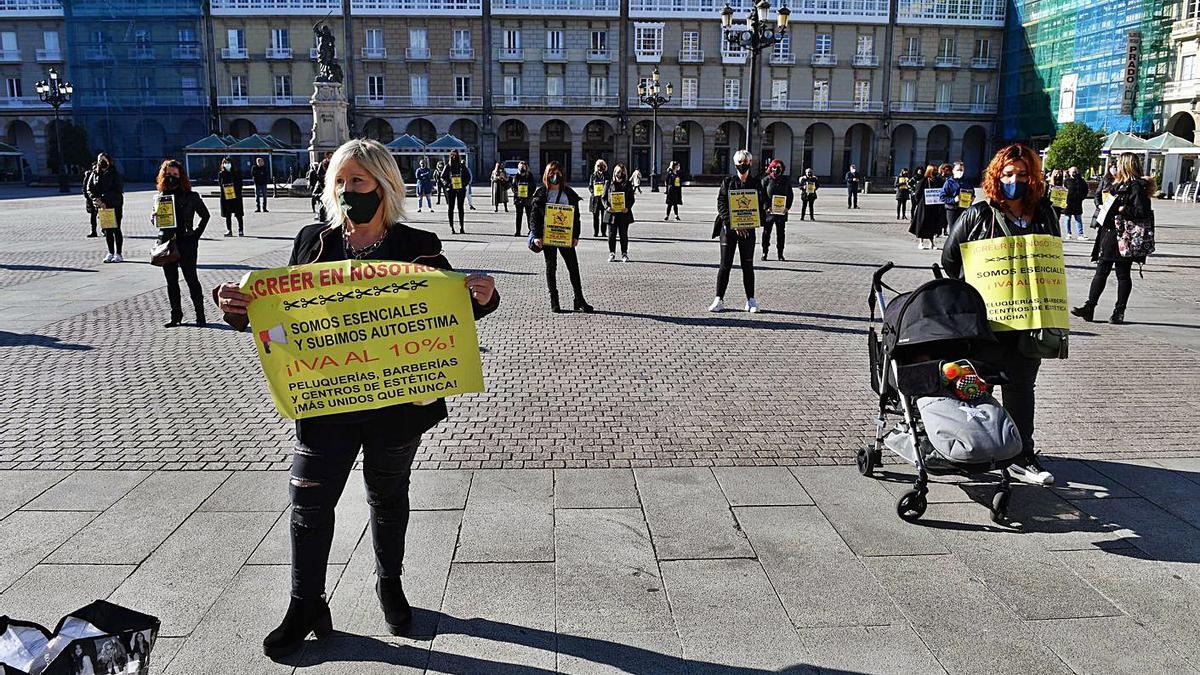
(229, 182)
(618, 212)
(499, 188)
(903, 188)
(456, 180)
(674, 189)
(186, 205)
(596, 186)
(555, 191)
(105, 190)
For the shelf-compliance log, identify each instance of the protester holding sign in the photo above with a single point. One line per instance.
(554, 220)
(455, 180)
(105, 192)
(618, 212)
(928, 214)
(364, 196)
(741, 207)
(902, 194)
(1126, 236)
(1077, 189)
(596, 187)
(176, 207)
(808, 193)
(229, 182)
(778, 186)
(956, 194)
(522, 189)
(674, 189)
(1014, 209)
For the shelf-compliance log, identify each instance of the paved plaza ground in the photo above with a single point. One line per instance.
(649, 489)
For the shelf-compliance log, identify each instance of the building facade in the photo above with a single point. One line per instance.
(31, 42)
(877, 83)
(1181, 94)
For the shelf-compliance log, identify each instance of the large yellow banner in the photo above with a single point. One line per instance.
(558, 227)
(743, 210)
(617, 201)
(1023, 280)
(108, 219)
(362, 334)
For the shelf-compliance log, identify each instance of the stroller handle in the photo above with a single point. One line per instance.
(877, 278)
(876, 296)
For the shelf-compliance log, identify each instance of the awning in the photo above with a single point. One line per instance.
(1169, 141)
(211, 142)
(406, 142)
(1119, 141)
(447, 142)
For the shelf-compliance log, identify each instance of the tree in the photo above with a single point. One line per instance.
(75, 143)
(1076, 144)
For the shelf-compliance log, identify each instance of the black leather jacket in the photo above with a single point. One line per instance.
(537, 209)
(736, 183)
(105, 185)
(979, 222)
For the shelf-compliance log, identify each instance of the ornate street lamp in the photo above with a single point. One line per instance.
(57, 92)
(651, 95)
(755, 37)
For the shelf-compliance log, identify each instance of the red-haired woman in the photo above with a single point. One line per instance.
(555, 191)
(1015, 190)
(172, 182)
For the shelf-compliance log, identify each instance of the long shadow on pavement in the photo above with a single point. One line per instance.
(714, 322)
(10, 339)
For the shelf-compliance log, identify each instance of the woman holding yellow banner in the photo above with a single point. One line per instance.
(364, 197)
(778, 186)
(554, 219)
(596, 187)
(1016, 206)
(176, 207)
(618, 212)
(105, 192)
(741, 208)
(229, 179)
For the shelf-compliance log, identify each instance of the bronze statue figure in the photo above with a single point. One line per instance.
(328, 69)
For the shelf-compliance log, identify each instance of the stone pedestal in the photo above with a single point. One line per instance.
(330, 125)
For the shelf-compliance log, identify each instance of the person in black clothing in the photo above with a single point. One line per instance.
(88, 204)
(928, 217)
(618, 220)
(173, 182)
(776, 184)
(316, 181)
(455, 180)
(739, 241)
(1015, 191)
(1132, 191)
(229, 182)
(1077, 189)
(853, 186)
(260, 174)
(674, 189)
(596, 204)
(522, 189)
(809, 185)
(105, 190)
(903, 185)
(366, 202)
(554, 190)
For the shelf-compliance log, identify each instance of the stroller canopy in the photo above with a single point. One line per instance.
(942, 309)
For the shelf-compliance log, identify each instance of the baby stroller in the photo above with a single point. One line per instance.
(926, 369)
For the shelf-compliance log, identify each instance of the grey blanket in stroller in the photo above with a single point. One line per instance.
(977, 432)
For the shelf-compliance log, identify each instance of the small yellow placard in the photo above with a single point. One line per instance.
(966, 198)
(678, 181)
(522, 191)
(597, 189)
(1022, 279)
(810, 188)
(164, 212)
(1058, 197)
(616, 202)
(743, 210)
(108, 219)
(779, 205)
(456, 182)
(558, 228)
(902, 181)
(229, 192)
(1105, 197)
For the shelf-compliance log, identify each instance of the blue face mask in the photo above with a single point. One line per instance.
(1014, 191)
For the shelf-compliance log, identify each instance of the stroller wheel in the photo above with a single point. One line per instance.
(866, 460)
(1000, 505)
(911, 506)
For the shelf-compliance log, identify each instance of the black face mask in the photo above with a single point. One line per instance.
(359, 207)
(171, 183)
(103, 164)
(743, 168)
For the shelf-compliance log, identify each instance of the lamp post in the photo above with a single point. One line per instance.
(57, 92)
(653, 97)
(755, 37)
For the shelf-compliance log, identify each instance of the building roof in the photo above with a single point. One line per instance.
(210, 142)
(406, 142)
(447, 142)
(1121, 141)
(1169, 141)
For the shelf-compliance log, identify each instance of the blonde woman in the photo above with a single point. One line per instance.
(499, 188)
(596, 188)
(364, 196)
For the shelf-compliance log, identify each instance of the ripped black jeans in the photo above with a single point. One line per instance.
(323, 458)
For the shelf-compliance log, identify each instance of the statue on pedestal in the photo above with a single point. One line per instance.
(328, 69)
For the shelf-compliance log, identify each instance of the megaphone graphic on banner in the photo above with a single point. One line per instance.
(273, 334)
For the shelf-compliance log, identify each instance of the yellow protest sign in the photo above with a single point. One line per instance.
(164, 211)
(362, 334)
(778, 205)
(597, 189)
(522, 191)
(558, 227)
(456, 183)
(229, 192)
(678, 181)
(1022, 280)
(1058, 197)
(616, 202)
(902, 181)
(965, 199)
(107, 218)
(743, 209)
(1105, 197)
(810, 188)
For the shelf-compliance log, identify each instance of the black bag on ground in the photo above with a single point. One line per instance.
(99, 638)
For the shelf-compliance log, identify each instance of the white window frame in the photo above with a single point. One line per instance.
(979, 93)
(284, 91)
(235, 39)
(375, 87)
(864, 45)
(779, 94)
(948, 42)
(648, 41)
(731, 93)
(943, 96)
(374, 39)
(554, 90)
(862, 94)
(598, 87)
(690, 41)
(418, 38)
(462, 88)
(418, 88)
(237, 86)
(908, 91)
(556, 40)
(13, 87)
(512, 89)
(599, 40)
(56, 40)
(782, 48)
(1187, 67)
(912, 45)
(688, 89)
(820, 94)
(983, 48)
(512, 39)
(823, 44)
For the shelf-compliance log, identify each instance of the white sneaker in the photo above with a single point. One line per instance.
(717, 305)
(1033, 473)
(612, 257)
(1082, 237)
(624, 258)
(108, 258)
(1068, 237)
(118, 258)
(752, 306)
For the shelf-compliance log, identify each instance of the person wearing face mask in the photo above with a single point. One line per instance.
(523, 188)
(778, 186)
(1015, 191)
(674, 189)
(499, 188)
(902, 193)
(955, 192)
(596, 186)
(172, 183)
(1077, 189)
(438, 169)
(928, 219)
(554, 190)
(455, 180)
(229, 182)
(105, 190)
(260, 175)
(424, 178)
(365, 198)
(853, 186)
(739, 242)
(620, 215)
(809, 185)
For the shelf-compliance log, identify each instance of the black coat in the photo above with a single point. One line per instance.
(527, 180)
(1077, 189)
(803, 183)
(979, 222)
(626, 216)
(596, 204)
(853, 182)
(927, 219)
(1133, 203)
(674, 188)
(105, 185)
(321, 242)
(537, 209)
(781, 186)
(903, 192)
(230, 207)
(461, 170)
(188, 205)
(261, 175)
(735, 183)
